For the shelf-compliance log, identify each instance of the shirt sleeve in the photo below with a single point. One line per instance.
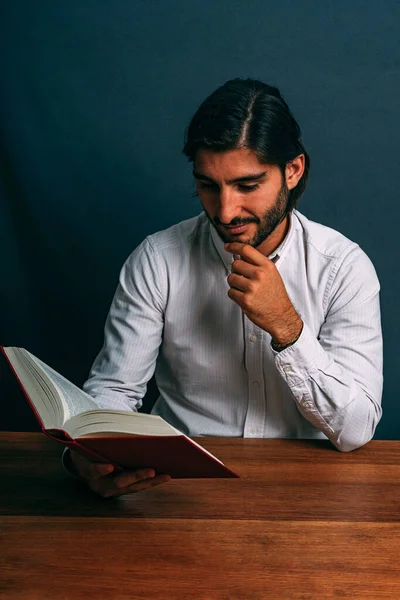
(336, 378)
(133, 333)
(67, 465)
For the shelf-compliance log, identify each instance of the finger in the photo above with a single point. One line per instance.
(247, 253)
(94, 470)
(144, 485)
(237, 296)
(241, 267)
(112, 491)
(127, 478)
(101, 470)
(238, 282)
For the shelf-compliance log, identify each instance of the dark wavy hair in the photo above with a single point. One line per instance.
(247, 113)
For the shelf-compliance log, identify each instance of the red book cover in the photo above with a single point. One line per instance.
(177, 456)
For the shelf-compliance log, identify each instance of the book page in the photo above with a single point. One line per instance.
(40, 391)
(62, 405)
(76, 400)
(118, 421)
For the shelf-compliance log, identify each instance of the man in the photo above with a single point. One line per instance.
(257, 321)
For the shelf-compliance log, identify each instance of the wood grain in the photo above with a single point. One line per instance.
(303, 522)
(199, 559)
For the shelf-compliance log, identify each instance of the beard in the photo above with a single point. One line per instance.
(266, 225)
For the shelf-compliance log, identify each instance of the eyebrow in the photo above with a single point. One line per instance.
(255, 177)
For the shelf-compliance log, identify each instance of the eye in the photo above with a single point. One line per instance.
(248, 188)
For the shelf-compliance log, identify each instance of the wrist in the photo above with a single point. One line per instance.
(284, 339)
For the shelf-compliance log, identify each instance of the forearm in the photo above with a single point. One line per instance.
(133, 333)
(329, 395)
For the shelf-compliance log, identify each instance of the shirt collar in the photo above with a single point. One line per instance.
(227, 257)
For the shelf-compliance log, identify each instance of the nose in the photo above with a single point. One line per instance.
(228, 205)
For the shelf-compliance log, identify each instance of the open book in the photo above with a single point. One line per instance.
(129, 440)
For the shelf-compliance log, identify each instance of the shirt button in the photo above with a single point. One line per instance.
(256, 385)
(287, 369)
(252, 431)
(253, 338)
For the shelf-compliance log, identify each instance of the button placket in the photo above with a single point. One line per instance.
(254, 422)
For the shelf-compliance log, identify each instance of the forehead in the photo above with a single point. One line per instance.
(231, 164)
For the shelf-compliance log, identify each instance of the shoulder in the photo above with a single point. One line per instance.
(349, 267)
(322, 239)
(331, 245)
(181, 235)
(169, 244)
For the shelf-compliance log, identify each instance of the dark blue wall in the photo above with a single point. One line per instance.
(95, 97)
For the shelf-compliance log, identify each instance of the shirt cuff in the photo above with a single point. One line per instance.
(68, 465)
(295, 364)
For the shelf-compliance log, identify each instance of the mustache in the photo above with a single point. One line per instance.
(236, 222)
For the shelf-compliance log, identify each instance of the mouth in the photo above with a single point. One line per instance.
(236, 230)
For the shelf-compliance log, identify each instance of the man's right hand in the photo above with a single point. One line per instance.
(102, 479)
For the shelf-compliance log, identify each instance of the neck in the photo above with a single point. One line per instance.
(276, 238)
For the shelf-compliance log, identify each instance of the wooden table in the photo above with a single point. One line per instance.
(303, 521)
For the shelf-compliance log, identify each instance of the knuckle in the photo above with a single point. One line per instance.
(269, 266)
(252, 287)
(246, 303)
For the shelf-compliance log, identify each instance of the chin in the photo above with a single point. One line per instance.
(249, 241)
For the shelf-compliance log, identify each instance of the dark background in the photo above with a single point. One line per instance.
(95, 96)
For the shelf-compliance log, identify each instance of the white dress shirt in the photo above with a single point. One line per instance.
(216, 371)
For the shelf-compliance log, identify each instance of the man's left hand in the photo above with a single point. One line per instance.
(257, 287)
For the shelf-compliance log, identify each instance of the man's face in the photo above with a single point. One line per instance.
(244, 199)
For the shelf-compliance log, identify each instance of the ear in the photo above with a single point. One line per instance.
(294, 171)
